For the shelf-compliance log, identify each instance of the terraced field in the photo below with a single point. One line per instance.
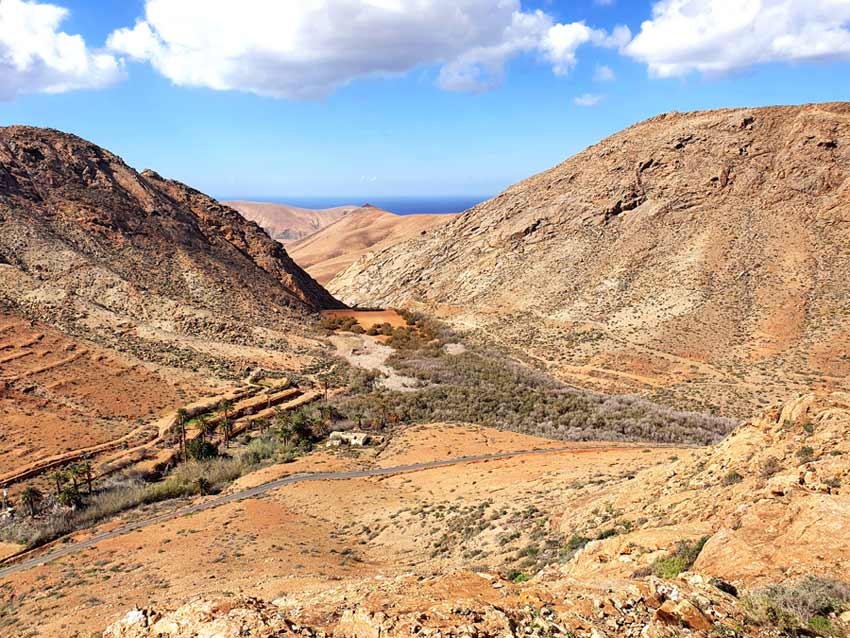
(58, 395)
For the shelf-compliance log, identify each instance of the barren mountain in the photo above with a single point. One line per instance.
(335, 247)
(82, 232)
(699, 258)
(123, 295)
(288, 223)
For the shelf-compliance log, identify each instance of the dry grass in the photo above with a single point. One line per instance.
(128, 492)
(801, 607)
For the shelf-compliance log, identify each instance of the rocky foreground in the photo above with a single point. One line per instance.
(770, 506)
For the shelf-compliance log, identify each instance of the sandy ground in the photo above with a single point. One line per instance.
(310, 537)
(368, 353)
(9, 549)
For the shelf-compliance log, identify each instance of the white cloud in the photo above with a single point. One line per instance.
(604, 73)
(588, 99)
(715, 36)
(35, 57)
(308, 48)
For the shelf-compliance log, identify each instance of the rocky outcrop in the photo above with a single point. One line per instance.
(219, 618)
(699, 258)
(772, 500)
(462, 605)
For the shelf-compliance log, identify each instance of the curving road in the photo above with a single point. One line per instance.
(73, 548)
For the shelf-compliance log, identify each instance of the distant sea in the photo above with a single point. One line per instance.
(398, 205)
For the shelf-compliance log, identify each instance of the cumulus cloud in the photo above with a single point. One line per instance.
(588, 99)
(716, 36)
(308, 48)
(35, 57)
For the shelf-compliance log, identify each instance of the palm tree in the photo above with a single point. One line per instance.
(207, 427)
(30, 498)
(283, 422)
(87, 471)
(75, 473)
(58, 478)
(69, 496)
(302, 426)
(226, 426)
(181, 423)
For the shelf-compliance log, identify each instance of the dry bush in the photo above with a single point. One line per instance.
(800, 607)
(482, 386)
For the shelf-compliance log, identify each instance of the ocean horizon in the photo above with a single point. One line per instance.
(410, 205)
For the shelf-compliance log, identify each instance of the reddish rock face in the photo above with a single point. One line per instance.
(75, 217)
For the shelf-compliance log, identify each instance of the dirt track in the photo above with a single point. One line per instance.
(251, 492)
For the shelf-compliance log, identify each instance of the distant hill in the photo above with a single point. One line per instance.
(288, 223)
(329, 251)
(699, 258)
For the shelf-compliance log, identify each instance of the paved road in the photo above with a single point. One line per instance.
(251, 492)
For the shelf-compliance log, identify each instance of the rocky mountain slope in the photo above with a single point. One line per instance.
(699, 258)
(331, 250)
(748, 538)
(288, 223)
(89, 243)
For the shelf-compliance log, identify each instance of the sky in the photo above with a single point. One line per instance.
(277, 99)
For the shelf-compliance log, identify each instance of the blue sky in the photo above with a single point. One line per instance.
(425, 131)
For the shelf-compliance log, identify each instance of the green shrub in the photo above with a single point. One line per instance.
(732, 477)
(681, 560)
(670, 567)
(576, 543)
(346, 324)
(199, 449)
(771, 466)
(484, 386)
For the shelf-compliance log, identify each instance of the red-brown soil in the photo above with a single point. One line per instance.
(62, 394)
